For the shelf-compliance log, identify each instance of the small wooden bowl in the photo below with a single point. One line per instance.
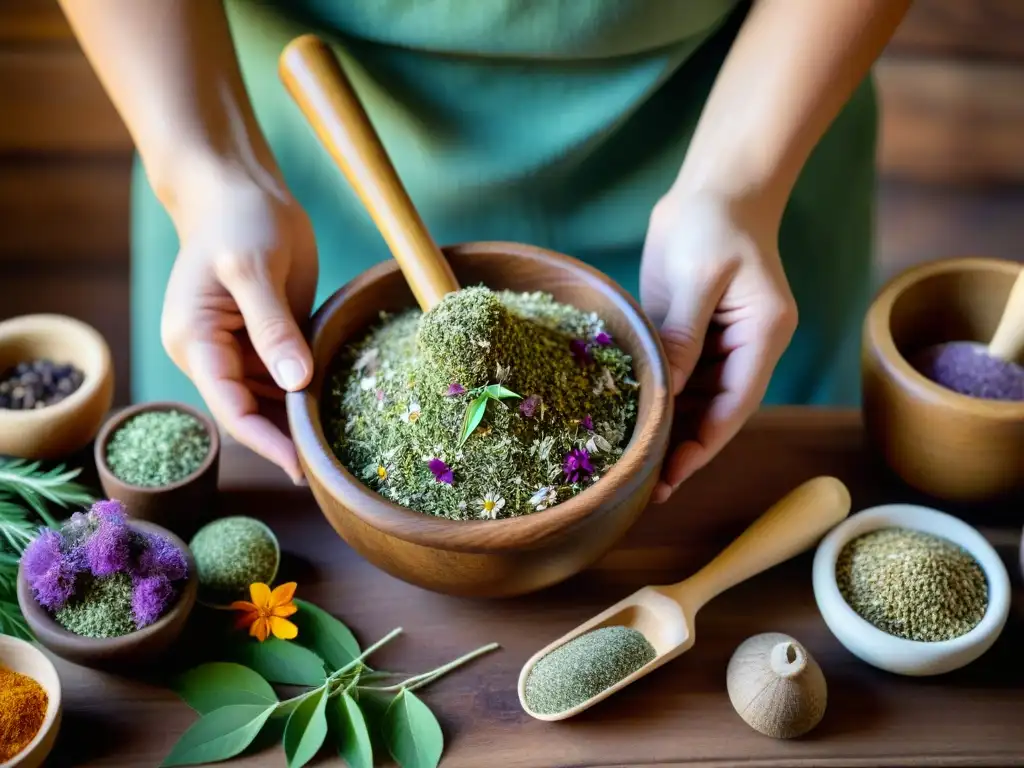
(501, 557)
(138, 648)
(953, 447)
(24, 658)
(182, 506)
(62, 429)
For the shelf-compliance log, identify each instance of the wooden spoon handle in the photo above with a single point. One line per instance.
(318, 84)
(1008, 340)
(790, 526)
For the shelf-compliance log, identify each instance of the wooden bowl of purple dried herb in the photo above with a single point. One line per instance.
(105, 590)
(496, 445)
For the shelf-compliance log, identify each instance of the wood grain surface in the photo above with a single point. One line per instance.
(680, 716)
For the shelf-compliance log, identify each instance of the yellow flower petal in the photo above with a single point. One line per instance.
(243, 605)
(282, 594)
(260, 594)
(282, 628)
(284, 610)
(260, 629)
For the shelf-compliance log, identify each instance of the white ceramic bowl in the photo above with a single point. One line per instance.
(26, 659)
(895, 654)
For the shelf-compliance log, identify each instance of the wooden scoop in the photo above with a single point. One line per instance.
(665, 615)
(314, 78)
(1008, 340)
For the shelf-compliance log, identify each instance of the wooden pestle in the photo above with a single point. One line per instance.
(1008, 340)
(318, 84)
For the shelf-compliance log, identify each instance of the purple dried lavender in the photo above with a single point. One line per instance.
(603, 339)
(51, 572)
(587, 423)
(108, 549)
(161, 558)
(577, 466)
(529, 406)
(150, 597)
(441, 471)
(455, 389)
(966, 368)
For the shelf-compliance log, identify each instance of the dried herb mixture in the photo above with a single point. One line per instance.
(492, 405)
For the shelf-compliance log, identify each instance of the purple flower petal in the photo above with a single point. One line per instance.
(580, 351)
(455, 389)
(587, 423)
(50, 572)
(109, 510)
(529, 406)
(150, 597)
(577, 466)
(603, 339)
(161, 558)
(441, 471)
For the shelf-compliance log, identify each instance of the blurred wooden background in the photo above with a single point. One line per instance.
(951, 157)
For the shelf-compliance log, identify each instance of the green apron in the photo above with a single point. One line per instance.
(553, 122)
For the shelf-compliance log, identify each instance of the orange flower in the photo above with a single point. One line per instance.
(265, 615)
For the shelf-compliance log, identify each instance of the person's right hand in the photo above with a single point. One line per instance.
(246, 270)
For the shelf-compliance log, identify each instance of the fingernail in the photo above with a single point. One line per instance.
(290, 373)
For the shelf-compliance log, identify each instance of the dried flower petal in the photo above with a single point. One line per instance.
(150, 597)
(108, 548)
(529, 406)
(441, 471)
(587, 423)
(455, 389)
(161, 558)
(50, 572)
(603, 339)
(580, 351)
(577, 466)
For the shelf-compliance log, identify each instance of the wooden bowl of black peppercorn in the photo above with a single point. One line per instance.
(56, 386)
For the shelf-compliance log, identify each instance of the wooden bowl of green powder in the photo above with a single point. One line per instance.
(496, 445)
(162, 461)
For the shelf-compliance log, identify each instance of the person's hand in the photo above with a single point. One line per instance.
(246, 270)
(712, 281)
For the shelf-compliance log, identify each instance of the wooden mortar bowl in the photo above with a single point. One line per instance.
(488, 558)
(134, 650)
(62, 429)
(953, 447)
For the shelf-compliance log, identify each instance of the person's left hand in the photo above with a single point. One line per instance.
(712, 281)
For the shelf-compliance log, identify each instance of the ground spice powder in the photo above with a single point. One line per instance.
(912, 584)
(23, 704)
(584, 667)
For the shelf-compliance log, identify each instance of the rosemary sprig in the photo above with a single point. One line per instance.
(37, 487)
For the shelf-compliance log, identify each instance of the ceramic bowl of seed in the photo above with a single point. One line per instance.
(162, 460)
(910, 589)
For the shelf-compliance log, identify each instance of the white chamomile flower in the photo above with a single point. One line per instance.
(412, 413)
(490, 505)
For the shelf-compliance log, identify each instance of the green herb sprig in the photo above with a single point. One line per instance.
(478, 406)
(27, 490)
(347, 701)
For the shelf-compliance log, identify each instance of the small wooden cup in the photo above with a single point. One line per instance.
(112, 653)
(951, 446)
(183, 506)
(488, 558)
(60, 430)
(25, 659)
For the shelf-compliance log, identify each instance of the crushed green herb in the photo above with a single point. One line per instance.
(912, 584)
(232, 553)
(492, 405)
(103, 610)
(157, 448)
(584, 667)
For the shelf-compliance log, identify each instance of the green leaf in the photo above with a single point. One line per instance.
(350, 732)
(220, 684)
(374, 707)
(306, 729)
(497, 392)
(412, 732)
(474, 415)
(219, 735)
(280, 661)
(325, 635)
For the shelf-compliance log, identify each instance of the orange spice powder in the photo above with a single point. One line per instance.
(23, 704)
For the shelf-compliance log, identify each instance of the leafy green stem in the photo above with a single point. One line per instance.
(418, 681)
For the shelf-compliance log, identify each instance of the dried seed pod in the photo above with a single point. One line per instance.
(776, 686)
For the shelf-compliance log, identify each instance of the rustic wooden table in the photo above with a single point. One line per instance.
(679, 715)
